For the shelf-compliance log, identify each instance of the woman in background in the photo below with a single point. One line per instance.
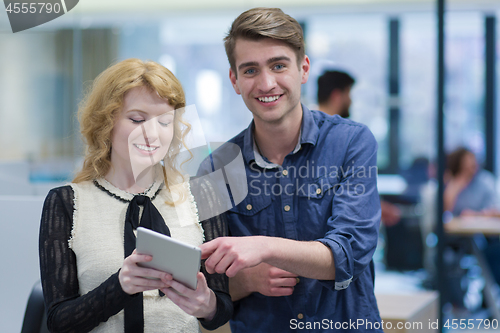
(469, 189)
(131, 120)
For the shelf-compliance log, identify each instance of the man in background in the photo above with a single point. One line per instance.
(334, 93)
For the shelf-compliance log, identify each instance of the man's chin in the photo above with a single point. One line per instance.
(268, 118)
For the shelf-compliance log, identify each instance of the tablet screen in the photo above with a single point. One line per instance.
(170, 255)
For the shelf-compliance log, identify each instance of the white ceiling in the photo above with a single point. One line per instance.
(120, 6)
(106, 11)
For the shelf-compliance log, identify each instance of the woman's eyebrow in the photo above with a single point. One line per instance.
(136, 110)
(172, 112)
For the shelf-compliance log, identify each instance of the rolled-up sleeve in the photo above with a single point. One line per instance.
(353, 226)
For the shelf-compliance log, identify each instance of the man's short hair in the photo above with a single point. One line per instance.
(259, 23)
(330, 81)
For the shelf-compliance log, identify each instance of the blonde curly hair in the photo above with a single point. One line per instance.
(104, 101)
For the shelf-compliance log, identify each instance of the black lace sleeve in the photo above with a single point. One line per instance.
(214, 227)
(67, 310)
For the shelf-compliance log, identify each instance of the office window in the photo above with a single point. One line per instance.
(356, 44)
(464, 94)
(201, 66)
(464, 108)
(418, 87)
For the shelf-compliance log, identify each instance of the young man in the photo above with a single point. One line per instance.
(334, 93)
(312, 212)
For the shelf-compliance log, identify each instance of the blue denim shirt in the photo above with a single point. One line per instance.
(326, 190)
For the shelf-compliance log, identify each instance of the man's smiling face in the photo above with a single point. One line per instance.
(268, 78)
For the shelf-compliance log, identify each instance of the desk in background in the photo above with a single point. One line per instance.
(472, 226)
(409, 312)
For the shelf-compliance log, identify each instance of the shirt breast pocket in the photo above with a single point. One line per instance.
(252, 216)
(315, 199)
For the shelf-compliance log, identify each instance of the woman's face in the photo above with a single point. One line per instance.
(469, 165)
(142, 132)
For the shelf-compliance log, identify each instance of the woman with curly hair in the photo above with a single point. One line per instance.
(91, 275)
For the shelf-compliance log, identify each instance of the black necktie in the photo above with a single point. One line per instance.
(151, 219)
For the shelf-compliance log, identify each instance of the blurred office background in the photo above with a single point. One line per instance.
(44, 72)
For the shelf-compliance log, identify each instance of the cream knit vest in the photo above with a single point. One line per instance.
(97, 240)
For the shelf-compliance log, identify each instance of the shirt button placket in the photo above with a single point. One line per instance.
(287, 196)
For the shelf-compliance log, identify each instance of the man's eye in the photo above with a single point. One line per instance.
(250, 71)
(137, 121)
(279, 66)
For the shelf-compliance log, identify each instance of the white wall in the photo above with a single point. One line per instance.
(20, 219)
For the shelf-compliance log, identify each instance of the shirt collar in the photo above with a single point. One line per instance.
(309, 132)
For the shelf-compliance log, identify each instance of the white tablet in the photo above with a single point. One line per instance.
(170, 255)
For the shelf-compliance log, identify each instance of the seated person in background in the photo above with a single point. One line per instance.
(90, 271)
(469, 189)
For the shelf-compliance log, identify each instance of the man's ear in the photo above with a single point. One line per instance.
(305, 66)
(334, 96)
(234, 81)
